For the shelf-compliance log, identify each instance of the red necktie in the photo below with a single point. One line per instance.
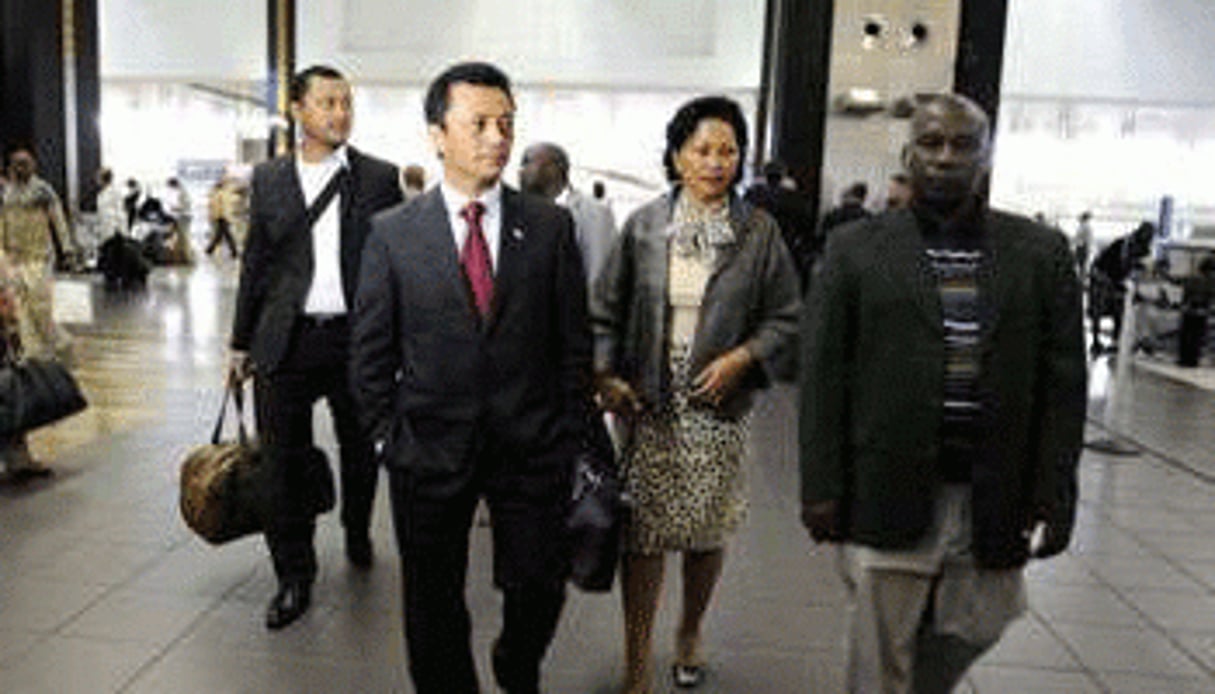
(475, 260)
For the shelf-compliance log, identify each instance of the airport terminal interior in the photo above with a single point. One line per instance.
(104, 589)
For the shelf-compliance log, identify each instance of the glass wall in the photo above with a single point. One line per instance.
(1116, 158)
(154, 130)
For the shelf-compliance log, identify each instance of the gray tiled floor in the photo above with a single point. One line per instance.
(103, 590)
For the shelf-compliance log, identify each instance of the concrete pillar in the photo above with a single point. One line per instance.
(280, 64)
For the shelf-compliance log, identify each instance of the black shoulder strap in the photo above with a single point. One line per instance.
(322, 201)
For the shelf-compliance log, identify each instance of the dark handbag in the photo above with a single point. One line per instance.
(225, 486)
(36, 392)
(597, 515)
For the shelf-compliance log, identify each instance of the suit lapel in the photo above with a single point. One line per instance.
(437, 245)
(512, 261)
(901, 254)
(994, 284)
(288, 196)
(347, 192)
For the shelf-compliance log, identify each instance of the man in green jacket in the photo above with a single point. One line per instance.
(942, 412)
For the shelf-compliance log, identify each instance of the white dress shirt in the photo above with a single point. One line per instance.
(325, 294)
(491, 221)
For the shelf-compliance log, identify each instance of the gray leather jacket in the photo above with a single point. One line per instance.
(751, 298)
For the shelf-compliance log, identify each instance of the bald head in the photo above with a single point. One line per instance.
(545, 170)
(950, 151)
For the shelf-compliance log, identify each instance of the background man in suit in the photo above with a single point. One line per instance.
(545, 170)
(777, 193)
(942, 411)
(290, 331)
(472, 363)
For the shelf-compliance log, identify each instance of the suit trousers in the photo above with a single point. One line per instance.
(314, 367)
(528, 502)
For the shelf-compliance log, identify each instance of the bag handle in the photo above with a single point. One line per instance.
(235, 393)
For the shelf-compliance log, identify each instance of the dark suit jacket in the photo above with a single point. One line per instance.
(278, 265)
(431, 377)
(873, 384)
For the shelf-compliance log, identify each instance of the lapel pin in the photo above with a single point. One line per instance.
(517, 234)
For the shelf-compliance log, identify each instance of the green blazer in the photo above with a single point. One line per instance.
(873, 383)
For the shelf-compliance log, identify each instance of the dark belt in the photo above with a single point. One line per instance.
(323, 320)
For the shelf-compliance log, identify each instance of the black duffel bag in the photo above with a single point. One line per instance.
(34, 393)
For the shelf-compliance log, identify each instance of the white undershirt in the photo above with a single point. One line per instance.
(325, 294)
(491, 221)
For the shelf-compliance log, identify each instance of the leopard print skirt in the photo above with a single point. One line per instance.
(684, 470)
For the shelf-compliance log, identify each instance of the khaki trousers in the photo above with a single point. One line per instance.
(918, 618)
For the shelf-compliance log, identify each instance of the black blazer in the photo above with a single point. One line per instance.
(278, 265)
(431, 376)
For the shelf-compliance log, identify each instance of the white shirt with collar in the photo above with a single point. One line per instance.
(491, 221)
(325, 294)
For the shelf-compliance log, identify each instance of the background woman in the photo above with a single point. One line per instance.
(695, 310)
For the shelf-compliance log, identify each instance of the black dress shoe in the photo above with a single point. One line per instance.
(358, 549)
(511, 678)
(288, 605)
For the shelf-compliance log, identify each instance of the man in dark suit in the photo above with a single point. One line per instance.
(291, 331)
(472, 364)
(943, 398)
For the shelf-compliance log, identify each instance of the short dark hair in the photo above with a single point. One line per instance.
(414, 175)
(857, 191)
(480, 74)
(560, 158)
(774, 172)
(301, 80)
(20, 147)
(688, 118)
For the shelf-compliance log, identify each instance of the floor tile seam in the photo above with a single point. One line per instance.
(1172, 564)
(1089, 673)
(107, 591)
(189, 629)
(41, 637)
(1161, 456)
(1155, 625)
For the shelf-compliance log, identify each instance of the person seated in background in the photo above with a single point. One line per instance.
(1107, 281)
(111, 214)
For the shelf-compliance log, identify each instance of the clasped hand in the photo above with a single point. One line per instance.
(721, 377)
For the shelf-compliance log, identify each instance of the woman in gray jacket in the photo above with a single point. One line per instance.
(696, 309)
